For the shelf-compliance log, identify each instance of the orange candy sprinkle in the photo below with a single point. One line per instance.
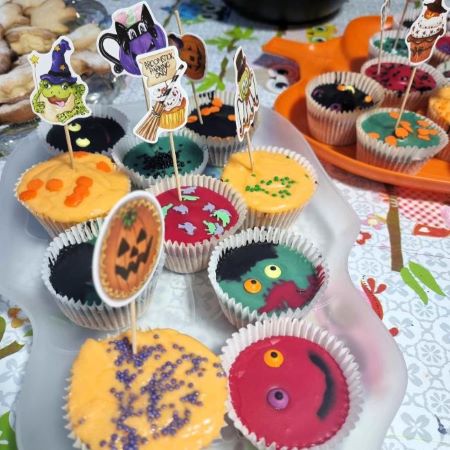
(81, 190)
(391, 140)
(217, 102)
(78, 155)
(368, 99)
(423, 123)
(84, 181)
(214, 109)
(205, 111)
(394, 114)
(35, 184)
(54, 185)
(103, 167)
(73, 200)
(401, 132)
(231, 117)
(405, 124)
(373, 135)
(192, 119)
(27, 195)
(424, 137)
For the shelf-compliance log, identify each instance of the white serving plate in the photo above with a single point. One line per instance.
(188, 303)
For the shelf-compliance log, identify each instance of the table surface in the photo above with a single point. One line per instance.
(398, 227)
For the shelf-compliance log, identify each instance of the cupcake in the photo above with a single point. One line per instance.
(291, 385)
(405, 149)
(209, 211)
(334, 100)
(444, 69)
(218, 131)
(441, 52)
(67, 274)
(170, 395)
(394, 76)
(146, 163)
(439, 112)
(98, 133)
(406, 22)
(389, 38)
(60, 197)
(281, 184)
(260, 273)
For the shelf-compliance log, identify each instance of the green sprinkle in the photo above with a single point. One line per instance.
(253, 175)
(275, 178)
(269, 182)
(274, 195)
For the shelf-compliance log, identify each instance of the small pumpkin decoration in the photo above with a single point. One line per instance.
(129, 249)
(192, 50)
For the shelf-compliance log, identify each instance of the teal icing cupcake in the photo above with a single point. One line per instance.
(389, 38)
(147, 163)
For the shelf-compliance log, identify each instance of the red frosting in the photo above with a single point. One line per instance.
(301, 403)
(395, 77)
(200, 215)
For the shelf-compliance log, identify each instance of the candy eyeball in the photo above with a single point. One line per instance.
(317, 92)
(272, 271)
(278, 398)
(252, 286)
(74, 126)
(273, 358)
(336, 107)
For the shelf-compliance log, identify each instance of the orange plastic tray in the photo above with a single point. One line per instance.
(345, 53)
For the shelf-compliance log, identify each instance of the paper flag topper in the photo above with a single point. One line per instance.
(59, 94)
(426, 30)
(192, 51)
(162, 71)
(128, 248)
(246, 101)
(134, 31)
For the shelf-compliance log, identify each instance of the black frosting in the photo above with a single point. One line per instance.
(102, 132)
(329, 396)
(332, 97)
(215, 124)
(71, 273)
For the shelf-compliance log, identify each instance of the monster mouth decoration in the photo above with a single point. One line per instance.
(60, 102)
(330, 388)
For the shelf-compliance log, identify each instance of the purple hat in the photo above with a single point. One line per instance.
(60, 71)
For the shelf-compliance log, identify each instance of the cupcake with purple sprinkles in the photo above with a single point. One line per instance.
(169, 395)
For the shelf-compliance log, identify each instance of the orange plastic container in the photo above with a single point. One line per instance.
(347, 52)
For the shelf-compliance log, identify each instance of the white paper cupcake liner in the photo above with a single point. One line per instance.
(374, 50)
(284, 219)
(338, 127)
(97, 317)
(303, 329)
(98, 111)
(444, 154)
(219, 148)
(190, 258)
(402, 159)
(439, 57)
(240, 315)
(53, 227)
(125, 145)
(416, 100)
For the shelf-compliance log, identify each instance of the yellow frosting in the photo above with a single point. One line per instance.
(439, 104)
(277, 184)
(94, 411)
(55, 190)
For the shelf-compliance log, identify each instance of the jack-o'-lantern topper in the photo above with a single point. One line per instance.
(426, 30)
(134, 31)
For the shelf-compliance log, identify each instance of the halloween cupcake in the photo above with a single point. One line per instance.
(389, 47)
(218, 131)
(147, 163)
(406, 148)
(441, 52)
(98, 133)
(170, 395)
(60, 197)
(291, 385)
(277, 189)
(439, 112)
(209, 210)
(67, 274)
(394, 75)
(260, 273)
(334, 100)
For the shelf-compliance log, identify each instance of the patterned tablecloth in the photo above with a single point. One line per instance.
(404, 234)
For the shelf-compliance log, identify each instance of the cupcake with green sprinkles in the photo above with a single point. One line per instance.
(391, 46)
(403, 148)
(67, 274)
(147, 163)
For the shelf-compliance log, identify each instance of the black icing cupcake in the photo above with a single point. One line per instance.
(335, 100)
(218, 131)
(98, 133)
(67, 274)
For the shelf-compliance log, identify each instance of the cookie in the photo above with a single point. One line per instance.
(16, 84)
(85, 37)
(86, 62)
(5, 57)
(25, 39)
(16, 112)
(11, 16)
(28, 4)
(52, 15)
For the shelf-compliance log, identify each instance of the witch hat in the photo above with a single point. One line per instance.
(436, 7)
(59, 72)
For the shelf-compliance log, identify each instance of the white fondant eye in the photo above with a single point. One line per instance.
(65, 86)
(74, 126)
(272, 271)
(82, 142)
(142, 28)
(132, 34)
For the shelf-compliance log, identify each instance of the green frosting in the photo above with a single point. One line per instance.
(383, 124)
(155, 160)
(388, 46)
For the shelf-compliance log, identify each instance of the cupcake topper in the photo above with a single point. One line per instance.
(192, 50)
(59, 94)
(383, 15)
(162, 71)
(246, 102)
(128, 250)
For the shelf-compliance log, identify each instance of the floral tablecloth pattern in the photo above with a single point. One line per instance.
(400, 261)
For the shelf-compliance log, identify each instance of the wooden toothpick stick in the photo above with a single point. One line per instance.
(175, 164)
(147, 100)
(250, 148)
(405, 97)
(402, 18)
(69, 146)
(133, 326)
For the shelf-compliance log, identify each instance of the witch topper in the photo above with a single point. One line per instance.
(133, 33)
(59, 95)
(246, 101)
(426, 30)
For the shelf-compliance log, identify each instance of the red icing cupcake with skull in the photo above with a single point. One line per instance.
(298, 388)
